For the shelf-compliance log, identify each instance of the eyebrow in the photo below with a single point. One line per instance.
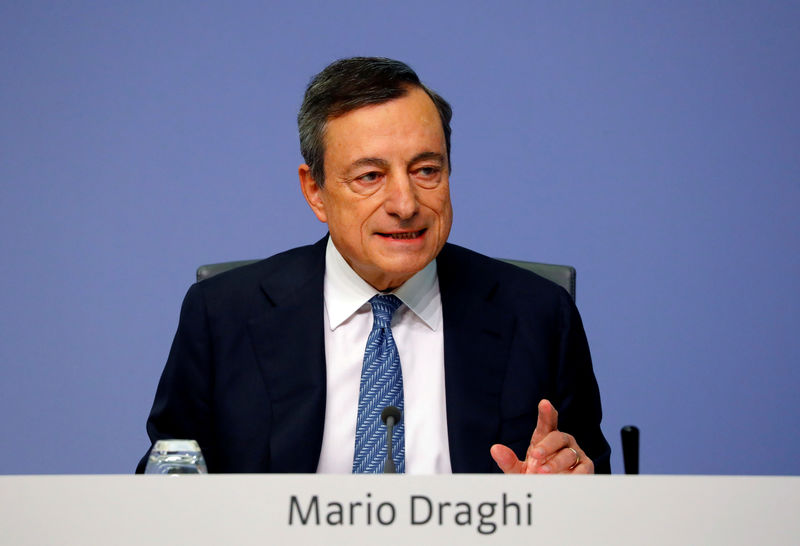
(424, 156)
(383, 164)
(369, 162)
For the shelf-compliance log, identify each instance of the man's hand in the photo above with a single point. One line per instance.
(550, 451)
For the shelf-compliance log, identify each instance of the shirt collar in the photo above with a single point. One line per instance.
(346, 292)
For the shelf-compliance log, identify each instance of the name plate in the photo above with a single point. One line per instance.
(471, 509)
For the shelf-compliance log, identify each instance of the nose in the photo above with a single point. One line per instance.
(401, 197)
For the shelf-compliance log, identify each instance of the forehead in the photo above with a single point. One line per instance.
(406, 125)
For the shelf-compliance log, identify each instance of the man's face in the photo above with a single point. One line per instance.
(386, 197)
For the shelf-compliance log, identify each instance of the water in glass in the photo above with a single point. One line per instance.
(176, 457)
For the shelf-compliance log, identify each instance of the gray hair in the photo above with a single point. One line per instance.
(348, 84)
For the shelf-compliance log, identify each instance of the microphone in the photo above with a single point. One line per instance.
(390, 417)
(630, 449)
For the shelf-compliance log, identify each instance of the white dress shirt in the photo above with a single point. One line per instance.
(417, 331)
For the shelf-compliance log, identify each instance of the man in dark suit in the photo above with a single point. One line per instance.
(262, 367)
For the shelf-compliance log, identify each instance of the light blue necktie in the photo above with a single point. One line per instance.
(381, 386)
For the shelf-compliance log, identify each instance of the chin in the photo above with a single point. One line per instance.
(398, 276)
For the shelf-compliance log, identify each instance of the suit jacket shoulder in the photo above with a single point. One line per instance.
(464, 267)
(281, 277)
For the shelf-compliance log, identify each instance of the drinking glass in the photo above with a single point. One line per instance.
(176, 457)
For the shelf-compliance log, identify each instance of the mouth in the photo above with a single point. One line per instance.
(403, 235)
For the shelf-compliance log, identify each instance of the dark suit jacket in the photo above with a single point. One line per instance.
(246, 373)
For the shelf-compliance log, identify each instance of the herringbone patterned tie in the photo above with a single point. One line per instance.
(381, 386)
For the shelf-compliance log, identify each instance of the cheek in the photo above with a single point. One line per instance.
(446, 222)
(346, 212)
(439, 203)
(445, 213)
(365, 214)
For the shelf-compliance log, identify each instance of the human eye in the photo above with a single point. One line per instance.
(369, 177)
(367, 183)
(428, 175)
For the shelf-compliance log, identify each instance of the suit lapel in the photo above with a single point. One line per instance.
(476, 344)
(289, 344)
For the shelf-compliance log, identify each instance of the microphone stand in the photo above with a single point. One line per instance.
(390, 416)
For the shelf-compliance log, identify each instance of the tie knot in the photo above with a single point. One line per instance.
(383, 307)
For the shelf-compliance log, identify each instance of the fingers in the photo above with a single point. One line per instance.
(547, 422)
(559, 453)
(506, 459)
(568, 458)
(563, 460)
(552, 451)
(550, 445)
(549, 452)
(586, 466)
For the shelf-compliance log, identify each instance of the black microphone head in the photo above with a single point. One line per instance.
(390, 411)
(630, 449)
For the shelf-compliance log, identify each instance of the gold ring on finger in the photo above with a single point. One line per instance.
(577, 458)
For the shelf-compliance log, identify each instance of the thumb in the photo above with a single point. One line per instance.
(506, 459)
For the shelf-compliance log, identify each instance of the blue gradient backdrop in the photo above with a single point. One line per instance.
(654, 145)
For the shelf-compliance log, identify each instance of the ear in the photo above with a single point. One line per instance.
(312, 192)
